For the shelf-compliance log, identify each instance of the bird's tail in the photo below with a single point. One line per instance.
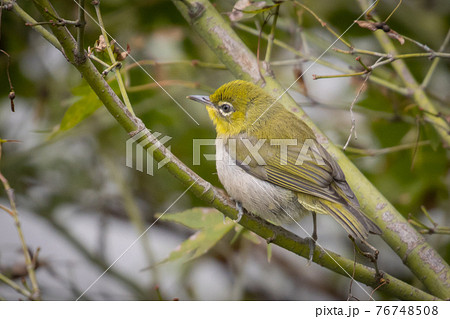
(352, 219)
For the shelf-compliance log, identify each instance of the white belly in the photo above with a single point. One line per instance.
(257, 196)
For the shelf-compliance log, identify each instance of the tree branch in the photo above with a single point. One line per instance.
(35, 293)
(411, 247)
(375, 79)
(38, 28)
(114, 62)
(418, 93)
(245, 66)
(81, 23)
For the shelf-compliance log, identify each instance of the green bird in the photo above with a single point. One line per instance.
(270, 163)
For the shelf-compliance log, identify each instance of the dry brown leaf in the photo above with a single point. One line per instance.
(374, 26)
(100, 44)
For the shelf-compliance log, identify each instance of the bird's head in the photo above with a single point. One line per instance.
(235, 106)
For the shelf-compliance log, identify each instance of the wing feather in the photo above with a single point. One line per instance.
(318, 181)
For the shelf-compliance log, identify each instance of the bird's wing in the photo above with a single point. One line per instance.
(305, 169)
(313, 176)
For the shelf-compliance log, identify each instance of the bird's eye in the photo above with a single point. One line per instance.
(226, 108)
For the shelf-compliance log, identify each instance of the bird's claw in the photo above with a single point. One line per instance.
(312, 240)
(372, 256)
(240, 210)
(312, 248)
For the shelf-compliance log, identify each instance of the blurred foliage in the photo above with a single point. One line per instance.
(69, 170)
(211, 228)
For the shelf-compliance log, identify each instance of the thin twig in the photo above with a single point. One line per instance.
(386, 150)
(350, 295)
(430, 55)
(112, 67)
(35, 294)
(194, 63)
(382, 283)
(271, 36)
(95, 260)
(353, 128)
(58, 22)
(425, 212)
(414, 221)
(363, 64)
(288, 62)
(258, 50)
(369, 12)
(420, 45)
(12, 93)
(435, 62)
(281, 44)
(316, 102)
(388, 59)
(323, 23)
(424, 229)
(28, 19)
(134, 212)
(6, 209)
(16, 287)
(94, 58)
(416, 147)
(393, 11)
(164, 83)
(81, 23)
(437, 230)
(122, 88)
(318, 77)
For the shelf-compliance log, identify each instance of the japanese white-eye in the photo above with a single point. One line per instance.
(270, 161)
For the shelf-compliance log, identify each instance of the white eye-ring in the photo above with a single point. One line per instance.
(226, 108)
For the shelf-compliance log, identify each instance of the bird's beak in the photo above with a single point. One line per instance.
(204, 99)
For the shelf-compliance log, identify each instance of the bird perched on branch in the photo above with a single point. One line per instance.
(270, 162)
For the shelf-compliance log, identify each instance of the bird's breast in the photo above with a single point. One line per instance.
(257, 196)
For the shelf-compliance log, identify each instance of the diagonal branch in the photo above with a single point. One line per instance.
(410, 246)
(34, 24)
(246, 67)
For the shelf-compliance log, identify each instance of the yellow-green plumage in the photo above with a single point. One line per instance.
(280, 188)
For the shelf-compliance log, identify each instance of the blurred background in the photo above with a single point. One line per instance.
(83, 207)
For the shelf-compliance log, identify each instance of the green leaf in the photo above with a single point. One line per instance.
(211, 228)
(256, 10)
(81, 109)
(86, 104)
(245, 9)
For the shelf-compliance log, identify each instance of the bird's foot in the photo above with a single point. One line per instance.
(240, 210)
(371, 255)
(312, 248)
(313, 239)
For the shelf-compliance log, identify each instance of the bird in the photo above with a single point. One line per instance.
(270, 162)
